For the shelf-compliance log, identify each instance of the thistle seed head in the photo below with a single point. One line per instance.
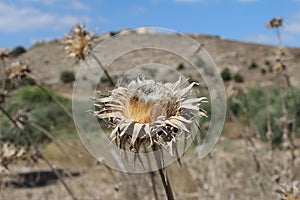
(79, 42)
(150, 113)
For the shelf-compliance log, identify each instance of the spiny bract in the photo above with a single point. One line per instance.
(146, 113)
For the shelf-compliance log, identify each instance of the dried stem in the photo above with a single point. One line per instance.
(103, 68)
(39, 152)
(278, 36)
(163, 173)
(42, 87)
(166, 183)
(269, 126)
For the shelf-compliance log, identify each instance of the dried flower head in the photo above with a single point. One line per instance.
(233, 90)
(275, 23)
(280, 52)
(148, 113)
(3, 54)
(18, 71)
(21, 119)
(288, 191)
(279, 66)
(79, 42)
(8, 154)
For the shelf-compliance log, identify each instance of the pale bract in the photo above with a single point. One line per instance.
(79, 42)
(146, 115)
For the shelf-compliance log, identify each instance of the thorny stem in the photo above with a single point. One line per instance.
(269, 126)
(45, 132)
(166, 183)
(278, 36)
(39, 152)
(103, 68)
(288, 81)
(247, 139)
(3, 77)
(41, 86)
(163, 174)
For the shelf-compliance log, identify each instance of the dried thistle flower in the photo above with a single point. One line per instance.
(79, 42)
(8, 154)
(18, 71)
(288, 191)
(233, 90)
(280, 52)
(149, 113)
(3, 54)
(275, 23)
(21, 119)
(279, 66)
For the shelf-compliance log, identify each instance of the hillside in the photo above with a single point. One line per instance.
(48, 59)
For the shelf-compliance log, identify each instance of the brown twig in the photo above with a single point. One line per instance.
(103, 68)
(39, 152)
(163, 173)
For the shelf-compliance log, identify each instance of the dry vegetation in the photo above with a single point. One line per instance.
(257, 156)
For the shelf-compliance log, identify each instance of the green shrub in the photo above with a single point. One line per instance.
(255, 103)
(238, 78)
(263, 70)
(17, 51)
(113, 33)
(104, 79)
(180, 66)
(27, 81)
(226, 74)
(267, 62)
(67, 77)
(41, 110)
(32, 95)
(253, 65)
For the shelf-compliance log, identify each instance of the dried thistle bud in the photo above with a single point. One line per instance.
(279, 66)
(233, 90)
(288, 191)
(79, 42)
(8, 154)
(280, 52)
(18, 71)
(3, 54)
(275, 23)
(21, 119)
(149, 113)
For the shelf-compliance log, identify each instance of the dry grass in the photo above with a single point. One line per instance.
(220, 176)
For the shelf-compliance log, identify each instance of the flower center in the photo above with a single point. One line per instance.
(146, 103)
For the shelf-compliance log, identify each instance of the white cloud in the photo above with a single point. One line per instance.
(16, 19)
(45, 2)
(247, 1)
(139, 9)
(79, 6)
(293, 25)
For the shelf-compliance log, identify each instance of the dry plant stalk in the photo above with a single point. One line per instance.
(79, 44)
(288, 191)
(280, 67)
(17, 72)
(151, 114)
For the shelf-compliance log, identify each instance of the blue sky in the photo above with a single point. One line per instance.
(24, 22)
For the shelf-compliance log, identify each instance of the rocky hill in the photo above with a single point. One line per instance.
(48, 60)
